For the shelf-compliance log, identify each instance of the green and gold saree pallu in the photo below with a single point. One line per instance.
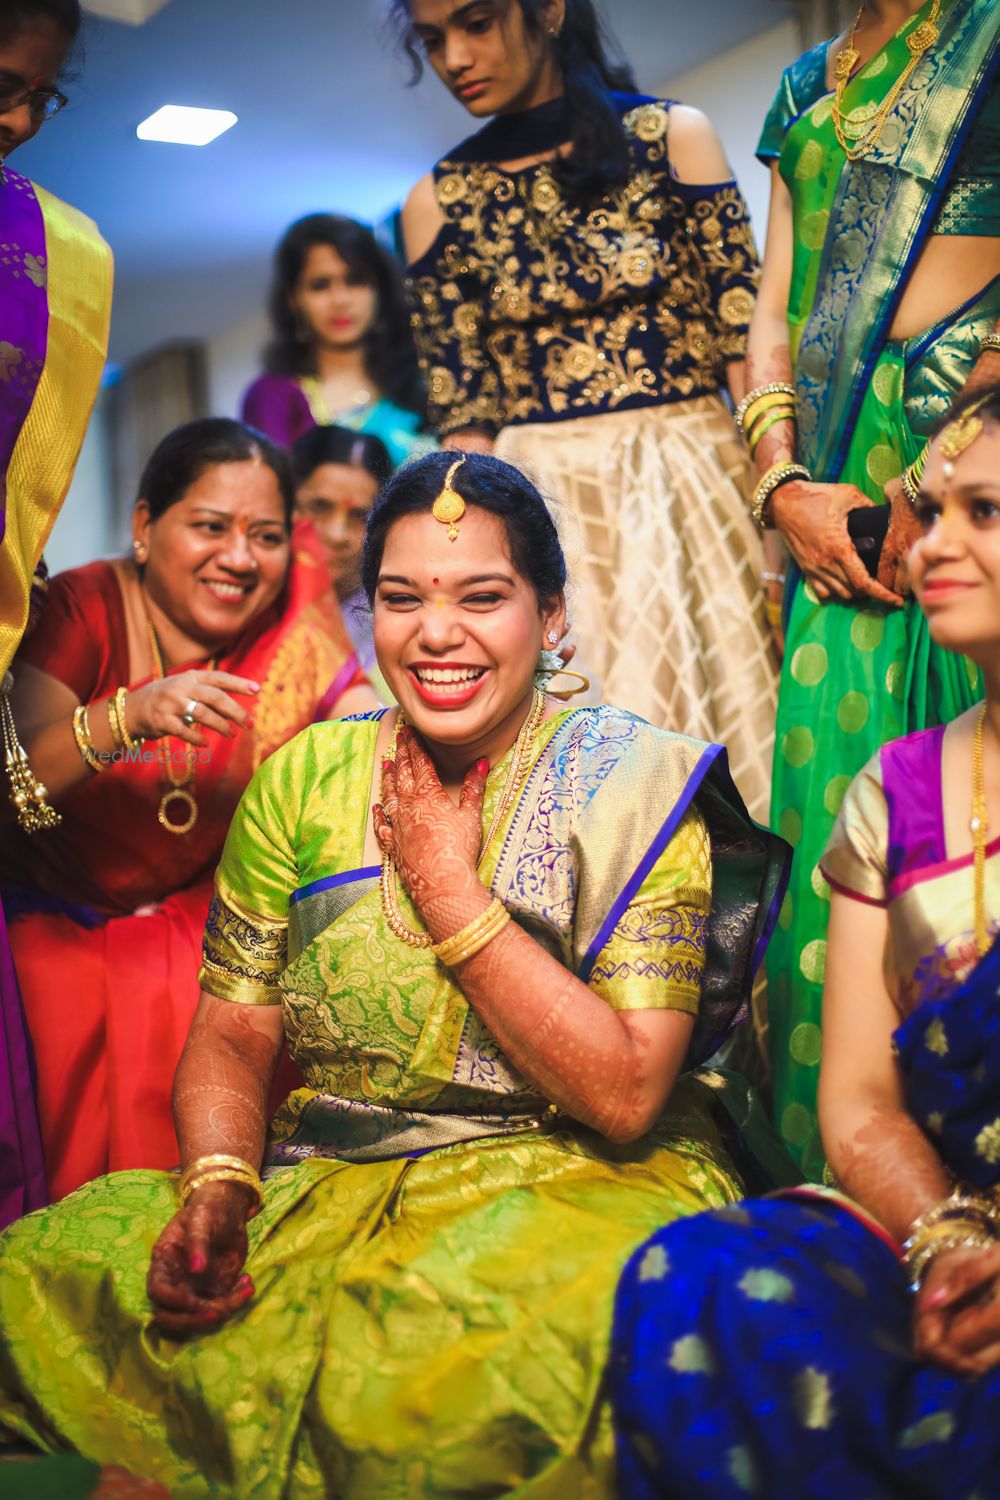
(568, 868)
(855, 677)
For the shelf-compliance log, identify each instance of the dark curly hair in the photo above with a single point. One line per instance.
(186, 453)
(66, 14)
(340, 445)
(600, 157)
(535, 549)
(390, 354)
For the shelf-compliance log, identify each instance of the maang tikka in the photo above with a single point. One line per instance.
(449, 507)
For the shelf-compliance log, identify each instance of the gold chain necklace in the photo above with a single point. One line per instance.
(920, 41)
(180, 789)
(519, 760)
(979, 827)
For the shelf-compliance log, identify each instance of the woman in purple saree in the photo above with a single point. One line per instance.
(55, 301)
(825, 1345)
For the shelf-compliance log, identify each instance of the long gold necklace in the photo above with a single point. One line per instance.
(520, 757)
(979, 827)
(180, 789)
(920, 41)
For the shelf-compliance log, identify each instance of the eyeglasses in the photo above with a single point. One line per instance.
(42, 104)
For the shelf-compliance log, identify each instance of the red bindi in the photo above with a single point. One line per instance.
(436, 581)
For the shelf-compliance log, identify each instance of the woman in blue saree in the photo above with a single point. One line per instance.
(825, 1345)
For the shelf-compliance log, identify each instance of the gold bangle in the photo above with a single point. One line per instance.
(911, 485)
(84, 743)
(115, 724)
(774, 388)
(220, 1167)
(473, 938)
(130, 744)
(783, 414)
(990, 344)
(777, 474)
(219, 1159)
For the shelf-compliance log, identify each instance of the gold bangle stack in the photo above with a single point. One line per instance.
(84, 742)
(911, 477)
(28, 794)
(962, 1221)
(990, 344)
(764, 408)
(221, 1168)
(472, 939)
(114, 724)
(777, 475)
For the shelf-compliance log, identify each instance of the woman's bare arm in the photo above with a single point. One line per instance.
(879, 1154)
(224, 1077)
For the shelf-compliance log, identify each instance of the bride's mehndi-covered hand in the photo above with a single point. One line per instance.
(957, 1316)
(196, 1279)
(434, 844)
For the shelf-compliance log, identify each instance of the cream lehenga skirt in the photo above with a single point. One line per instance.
(665, 566)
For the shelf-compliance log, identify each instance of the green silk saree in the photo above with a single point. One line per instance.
(856, 675)
(437, 1251)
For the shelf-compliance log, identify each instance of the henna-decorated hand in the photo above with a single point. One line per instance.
(957, 1317)
(813, 520)
(156, 709)
(904, 530)
(434, 844)
(194, 1280)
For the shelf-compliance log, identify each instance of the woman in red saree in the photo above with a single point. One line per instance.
(225, 626)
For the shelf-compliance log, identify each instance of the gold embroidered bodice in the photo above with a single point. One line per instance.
(529, 308)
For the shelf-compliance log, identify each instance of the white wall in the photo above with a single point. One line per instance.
(85, 526)
(735, 90)
(233, 361)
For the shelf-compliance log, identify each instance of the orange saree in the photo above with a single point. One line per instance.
(107, 911)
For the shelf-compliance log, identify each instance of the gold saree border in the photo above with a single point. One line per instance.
(80, 275)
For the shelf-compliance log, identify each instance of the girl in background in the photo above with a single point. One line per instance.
(337, 476)
(583, 274)
(342, 352)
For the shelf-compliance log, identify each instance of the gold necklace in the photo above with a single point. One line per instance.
(920, 41)
(178, 790)
(520, 757)
(979, 827)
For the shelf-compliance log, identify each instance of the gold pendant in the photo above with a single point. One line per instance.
(178, 794)
(923, 39)
(845, 63)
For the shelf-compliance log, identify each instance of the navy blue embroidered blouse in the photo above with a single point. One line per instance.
(528, 308)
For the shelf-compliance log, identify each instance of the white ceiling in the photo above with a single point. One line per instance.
(326, 122)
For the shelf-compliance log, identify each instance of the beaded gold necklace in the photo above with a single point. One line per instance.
(868, 131)
(520, 757)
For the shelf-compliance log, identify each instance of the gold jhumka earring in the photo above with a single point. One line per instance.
(449, 507)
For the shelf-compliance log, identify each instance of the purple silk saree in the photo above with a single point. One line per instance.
(24, 321)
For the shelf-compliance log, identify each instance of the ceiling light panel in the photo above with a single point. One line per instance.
(182, 126)
(132, 12)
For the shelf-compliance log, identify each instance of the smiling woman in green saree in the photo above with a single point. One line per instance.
(487, 1127)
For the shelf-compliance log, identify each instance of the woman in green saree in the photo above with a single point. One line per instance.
(881, 277)
(487, 1127)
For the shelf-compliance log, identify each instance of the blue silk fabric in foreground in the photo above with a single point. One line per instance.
(766, 1349)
